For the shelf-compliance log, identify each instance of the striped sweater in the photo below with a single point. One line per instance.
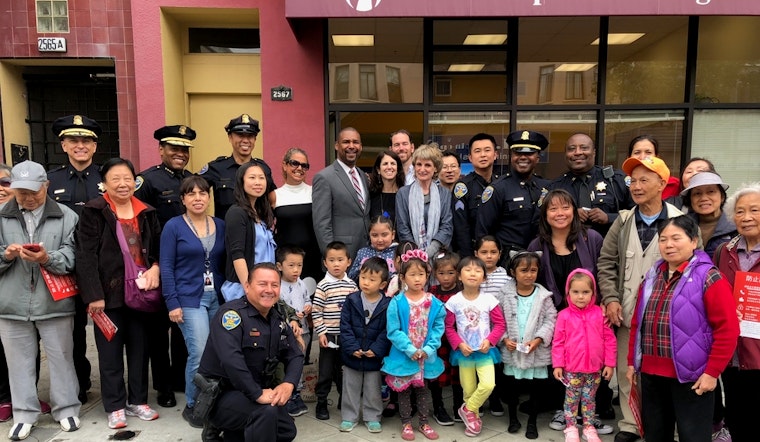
(328, 302)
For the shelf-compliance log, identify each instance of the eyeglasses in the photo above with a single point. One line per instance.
(5, 182)
(450, 167)
(296, 164)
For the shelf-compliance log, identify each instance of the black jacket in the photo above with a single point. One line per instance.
(356, 334)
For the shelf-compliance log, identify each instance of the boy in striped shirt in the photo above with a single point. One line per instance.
(326, 308)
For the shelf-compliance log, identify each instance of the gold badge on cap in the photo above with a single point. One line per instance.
(246, 119)
(182, 130)
(525, 135)
(78, 120)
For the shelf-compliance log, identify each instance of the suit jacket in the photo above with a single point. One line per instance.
(336, 211)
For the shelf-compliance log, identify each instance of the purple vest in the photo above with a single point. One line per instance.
(690, 334)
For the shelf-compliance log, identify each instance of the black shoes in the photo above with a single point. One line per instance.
(187, 415)
(442, 417)
(497, 409)
(626, 436)
(166, 399)
(321, 412)
(531, 432)
(210, 433)
(514, 426)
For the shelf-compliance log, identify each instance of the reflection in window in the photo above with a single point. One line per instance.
(620, 127)
(367, 82)
(52, 16)
(545, 83)
(393, 81)
(574, 86)
(341, 82)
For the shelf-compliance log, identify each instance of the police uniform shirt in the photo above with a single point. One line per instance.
(220, 175)
(63, 185)
(159, 187)
(467, 198)
(238, 347)
(509, 210)
(609, 194)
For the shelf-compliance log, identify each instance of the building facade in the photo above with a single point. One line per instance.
(685, 71)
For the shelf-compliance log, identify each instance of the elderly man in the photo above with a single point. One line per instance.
(629, 251)
(247, 341)
(37, 237)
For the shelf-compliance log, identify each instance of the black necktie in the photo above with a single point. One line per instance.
(80, 191)
(584, 194)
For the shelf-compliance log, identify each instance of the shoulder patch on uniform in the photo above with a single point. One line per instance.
(203, 170)
(139, 182)
(487, 194)
(460, 190)
(543, 195)
(627, 181)
(459, 205)
(230, 320)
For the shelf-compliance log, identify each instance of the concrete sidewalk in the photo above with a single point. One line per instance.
(171, 427)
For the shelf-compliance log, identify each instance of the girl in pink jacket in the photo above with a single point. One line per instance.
(583, 351)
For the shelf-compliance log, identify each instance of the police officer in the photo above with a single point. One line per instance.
(73, 184)
(599, 192)
(469, 190)
(159, 186)
(248, 338)
(509, 208)
(220, 173)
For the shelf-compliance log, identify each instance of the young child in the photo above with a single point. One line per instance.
(381, 236)
(445, 271)
(474, 325)
(415, 327)
(488, 249)
(525, 350)
(293, 292)
(584, 351)
(328, 301)
(364, 344)
(395, 285)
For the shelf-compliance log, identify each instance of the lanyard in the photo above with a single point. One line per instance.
(206, 261)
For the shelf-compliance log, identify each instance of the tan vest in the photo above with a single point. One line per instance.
(637, 263)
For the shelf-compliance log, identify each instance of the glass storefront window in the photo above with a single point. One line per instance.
(375, 129)
(470, 33)
(453, 130)
(557, 62)
(728, 63)
(387, 70)
(728, 138)
(620, 127)
(469, 77)
(652, 67)
(557, 128)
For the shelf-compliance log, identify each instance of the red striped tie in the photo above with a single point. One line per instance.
(357, 187)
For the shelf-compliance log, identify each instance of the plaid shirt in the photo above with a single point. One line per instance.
(647, 233)
(655, 323)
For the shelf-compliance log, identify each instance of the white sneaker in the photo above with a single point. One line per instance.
(20, 431)
(143, 411)
(558, 421)
(70, 423)
(117, 419)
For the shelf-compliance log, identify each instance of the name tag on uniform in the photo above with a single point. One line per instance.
(57, 191)
(519, 198)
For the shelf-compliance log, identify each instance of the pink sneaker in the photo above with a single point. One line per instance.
(571, 434)
(407, 432)
(471, 420)
(590, 434)
(428, 431)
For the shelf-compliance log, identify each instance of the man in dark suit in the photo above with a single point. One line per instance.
(340, 196)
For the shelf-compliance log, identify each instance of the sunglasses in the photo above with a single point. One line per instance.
(296, 164)
(5, 183)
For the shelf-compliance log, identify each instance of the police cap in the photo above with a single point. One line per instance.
(526, 141)
(76, 126)
(177, 135)
(243, 124)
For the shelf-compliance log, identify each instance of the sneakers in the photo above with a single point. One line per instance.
(471, 419)
(117, 419)
(20, 431)
(407, 433)
(496, 408)
(428, 432)
(295, 406)
(721, 435)
(590, 434)
(6, 411)
(373, 427)
(143, 411)
(602, 428)
(347, 426)
(558, 421)
(187, 415)
(571, 434)
(70, 424)
(443, 418)
(321, 411)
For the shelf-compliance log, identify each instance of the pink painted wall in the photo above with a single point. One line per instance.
(286, 58)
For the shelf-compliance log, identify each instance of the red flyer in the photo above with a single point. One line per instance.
(60, 286)
(747, 297)
(105, 324)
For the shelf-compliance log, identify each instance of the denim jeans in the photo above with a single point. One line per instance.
(195, 329)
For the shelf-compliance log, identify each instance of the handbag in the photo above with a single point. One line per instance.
(150, 301)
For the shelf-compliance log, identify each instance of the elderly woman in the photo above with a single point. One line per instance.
(704, 198)
(423, 208)
(192, 271)
(100, 275)
(36, 236)
(741, 380)
(385, 180)
(683, 335)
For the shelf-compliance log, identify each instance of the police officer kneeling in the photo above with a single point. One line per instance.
(247, 340)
